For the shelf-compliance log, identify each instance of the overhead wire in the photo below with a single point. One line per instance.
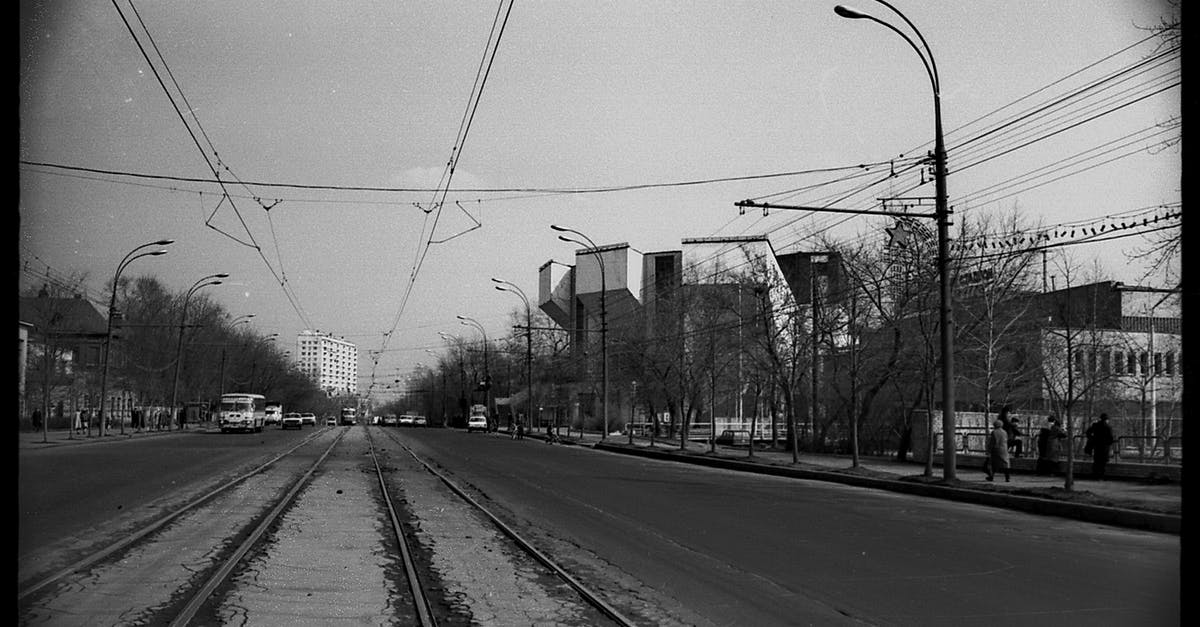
(191, 133)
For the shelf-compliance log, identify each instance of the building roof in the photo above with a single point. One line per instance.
(74, 316)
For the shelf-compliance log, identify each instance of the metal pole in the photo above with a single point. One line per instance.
(603, 317)
(212, 280)
(112, 305)
(942, 214)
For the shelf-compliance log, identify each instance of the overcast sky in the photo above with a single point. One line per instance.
(322, 99)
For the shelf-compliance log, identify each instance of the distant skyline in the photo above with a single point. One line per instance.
(632, 122)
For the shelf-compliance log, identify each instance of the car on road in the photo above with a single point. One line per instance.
(420, 421)
(390, 420)
(308, 418)
(330, 421)
(406, 420)
(291, 420)
(734, 437)
(477, 423)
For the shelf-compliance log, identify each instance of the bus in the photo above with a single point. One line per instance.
(349, 415)
(242, 412)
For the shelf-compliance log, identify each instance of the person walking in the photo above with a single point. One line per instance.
(997, 451)
(1099, 443)
(1048, 446)
(1013, 430)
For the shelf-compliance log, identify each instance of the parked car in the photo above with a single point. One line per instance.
(330, 421)
(406, 420)
(390, 420)
(291, 420)
(419, 421)
(477, 423)
(308, 418)
(734, 437)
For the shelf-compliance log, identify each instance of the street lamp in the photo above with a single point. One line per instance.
(942, 215)
(212, 279)
(505, 286)
(442, 371)
(112, 306)
(603, 313)
(487, 375)
(236, 321)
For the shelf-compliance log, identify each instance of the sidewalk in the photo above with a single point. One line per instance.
(1125, 502)
(64, 437)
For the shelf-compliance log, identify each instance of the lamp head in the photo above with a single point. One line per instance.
(849, 13)
(164, 242)
(221, 276)
(156, 253)
(555, 227)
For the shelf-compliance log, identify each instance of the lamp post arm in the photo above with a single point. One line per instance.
(931, 71)
(931, 65)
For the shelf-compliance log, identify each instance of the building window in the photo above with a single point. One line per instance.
(1144, 364)
(1131, 363)
(1170, 364)
(1118, 363)
(1158, 364)
(1105, 364)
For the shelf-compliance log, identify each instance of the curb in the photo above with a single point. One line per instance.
(1116, 516)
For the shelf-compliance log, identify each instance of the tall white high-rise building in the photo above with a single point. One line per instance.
(330, 361)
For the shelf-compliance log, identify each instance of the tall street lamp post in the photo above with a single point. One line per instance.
(212, 279)
(236, 321)
(603, 313)
(112, 308)
(487, 374)
(942, 214)
(505, 286)
(442, 371)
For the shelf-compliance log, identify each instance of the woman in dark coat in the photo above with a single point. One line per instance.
(1048, 446)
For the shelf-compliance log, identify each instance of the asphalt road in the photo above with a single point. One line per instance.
(673, 543)
(78, 496)
(709, 546)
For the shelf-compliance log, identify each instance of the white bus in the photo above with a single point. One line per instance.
(242, 412)
(349, 415)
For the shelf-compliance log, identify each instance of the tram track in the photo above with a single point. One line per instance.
(342, 525)
(585, 593)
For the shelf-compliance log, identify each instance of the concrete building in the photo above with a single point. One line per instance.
(329, 361)
(646, 303)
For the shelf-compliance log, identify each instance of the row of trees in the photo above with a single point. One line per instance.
(220, 354)
(850, 365)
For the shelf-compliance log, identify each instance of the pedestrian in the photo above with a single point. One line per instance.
(78, 426)
(85, 416)
(1012, 428)
(1048, 446)
(520, 431)
(36, 419)
(135, 418)
(997, 451)
(1099, 443)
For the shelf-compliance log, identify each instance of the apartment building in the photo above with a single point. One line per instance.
(329, 361)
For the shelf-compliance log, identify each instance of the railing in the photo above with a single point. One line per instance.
(1149, 449)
